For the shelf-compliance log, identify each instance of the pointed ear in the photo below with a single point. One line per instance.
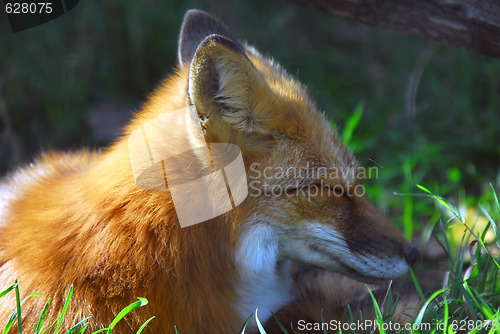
(225, 87)
(196, 26)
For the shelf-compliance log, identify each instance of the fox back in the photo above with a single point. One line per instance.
(79, 219)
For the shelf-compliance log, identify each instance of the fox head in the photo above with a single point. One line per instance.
(305, 201)
(305, 206)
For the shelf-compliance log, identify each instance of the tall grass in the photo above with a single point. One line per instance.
(77, 328)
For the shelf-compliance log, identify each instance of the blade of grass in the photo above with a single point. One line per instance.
(246, 324)
(9, 289)
(496, 198)
(445, 244)
(144, 325)
(442, 202)
(352, 123)
(13, 317)
(65, 308)
(489, 254)
(493, 225)
(378, 314)
(420, 316)
(445, 316)
(417, 285)
(482, 304)
(386, 296)
(293, 330)
(141, 302)
(390, 308)
(82, 330)
(468, 299)
(280, 324)
(259, 325)
(408, 200)
(78, 325)
(51, 325)
(18, 307)
(323, 321)
(38, 327)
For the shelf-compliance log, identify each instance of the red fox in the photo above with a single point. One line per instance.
(80, 219)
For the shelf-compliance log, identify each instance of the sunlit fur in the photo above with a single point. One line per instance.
(79, 219)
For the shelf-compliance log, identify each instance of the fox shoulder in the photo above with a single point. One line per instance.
(46, 169)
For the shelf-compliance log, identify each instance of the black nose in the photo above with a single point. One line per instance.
(411, 255)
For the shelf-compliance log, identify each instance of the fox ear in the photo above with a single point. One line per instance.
(196, 26)
(225, 87)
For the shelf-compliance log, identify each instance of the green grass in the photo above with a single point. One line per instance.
(471, 296)
(80, 327)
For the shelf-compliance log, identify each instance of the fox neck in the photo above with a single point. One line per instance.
(266, 281)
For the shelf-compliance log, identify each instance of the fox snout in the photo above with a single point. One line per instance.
(373, 240)
(358, 241)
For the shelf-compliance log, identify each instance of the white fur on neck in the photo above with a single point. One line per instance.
(263, 285)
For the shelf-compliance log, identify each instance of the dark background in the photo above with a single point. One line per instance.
(431, 112)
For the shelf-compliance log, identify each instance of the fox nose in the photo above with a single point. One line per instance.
(411, 255)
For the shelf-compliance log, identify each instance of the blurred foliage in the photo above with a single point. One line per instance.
(430, 111)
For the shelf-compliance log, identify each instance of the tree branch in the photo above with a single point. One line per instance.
(472, 24)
